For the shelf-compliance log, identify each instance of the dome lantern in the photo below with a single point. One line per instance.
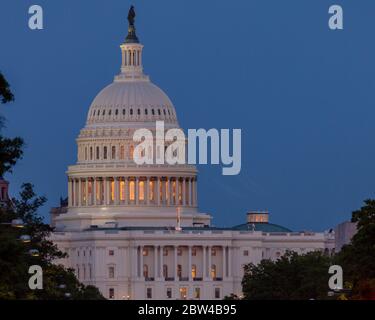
(131, 54)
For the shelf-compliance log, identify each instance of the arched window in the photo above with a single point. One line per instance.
(91, 153)
(132, 190)
(103, 112)
(141, 190)
(105, 153)
(131, 111)
(152, 191)
(85, 153)
(116, 112)
(153, 112)
(110, 112)
(122, 190)
(146, 112)
(139, 111)
(123, 111)
(145, 270)
(193, 271)
(159, 113)
(213, 271)
(113, 152)
(97, 153)
(165, 271)
(122, 152)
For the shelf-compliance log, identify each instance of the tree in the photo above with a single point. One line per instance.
(358, 257)
(5, 94)
(291, 277)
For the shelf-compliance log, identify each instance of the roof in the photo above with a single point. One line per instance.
(261, 226)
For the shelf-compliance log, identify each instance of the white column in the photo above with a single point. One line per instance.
(224, 262)
(175, 263)
(204, 273)
(105, 191)
(87, 192)
(117, 190)
(183, 192)
(190, 195)
(94, 190)
(127, 193)
(229, 262)
(147, 190)
(136, 190)
(189, 263)
(209, 261)
(141, 261)
(155, 262)
(158, 191)
(161, 261)
(70, 193)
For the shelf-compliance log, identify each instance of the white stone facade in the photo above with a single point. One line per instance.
(120, 228)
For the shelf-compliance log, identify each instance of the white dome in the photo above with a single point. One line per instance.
(131, 101)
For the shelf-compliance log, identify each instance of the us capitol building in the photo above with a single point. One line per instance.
(134, 231)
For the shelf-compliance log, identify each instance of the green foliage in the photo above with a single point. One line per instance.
(358, 257)
(15, 260)
(5, 94)
(291, 277)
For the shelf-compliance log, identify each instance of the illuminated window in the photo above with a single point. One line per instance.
(122, 190)
(193, 271)
(180, 192)
(174, 191)
(145, 252)
(213, 271)
(112, 191)
(183, 293)
(152, 191)
(131, 190)
(141, 190)
(145, 270)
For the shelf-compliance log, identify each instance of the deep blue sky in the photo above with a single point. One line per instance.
(302, 94)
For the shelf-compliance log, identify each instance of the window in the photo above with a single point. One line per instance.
(153, 112)
(122, 153)
(111, 294)
(122, 190)
(111, 252)
(183, 293)
(165, 271)
(179, 251)
(217, 293)
(149, 293)
(179, 271)
(213, 252)
(139, 111)
(145, 270)
(123, 111)
(91, 153)
(145, 252)
(105, 153)
(193, 271)
(113, 152)
(116, 112)
(246, 253)
(110, 112)
(165, 252)
(111, 272)
(146, 112)
(97, 153)
(194, 251)
(78, 273)
(141, 190)
(132, 190)
(159, 113)
(131, 152)
(213, 271)
(169, 293)
(197, 293)
(131, 111)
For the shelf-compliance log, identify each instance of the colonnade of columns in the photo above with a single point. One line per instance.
(156, 191)
(156, 262)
